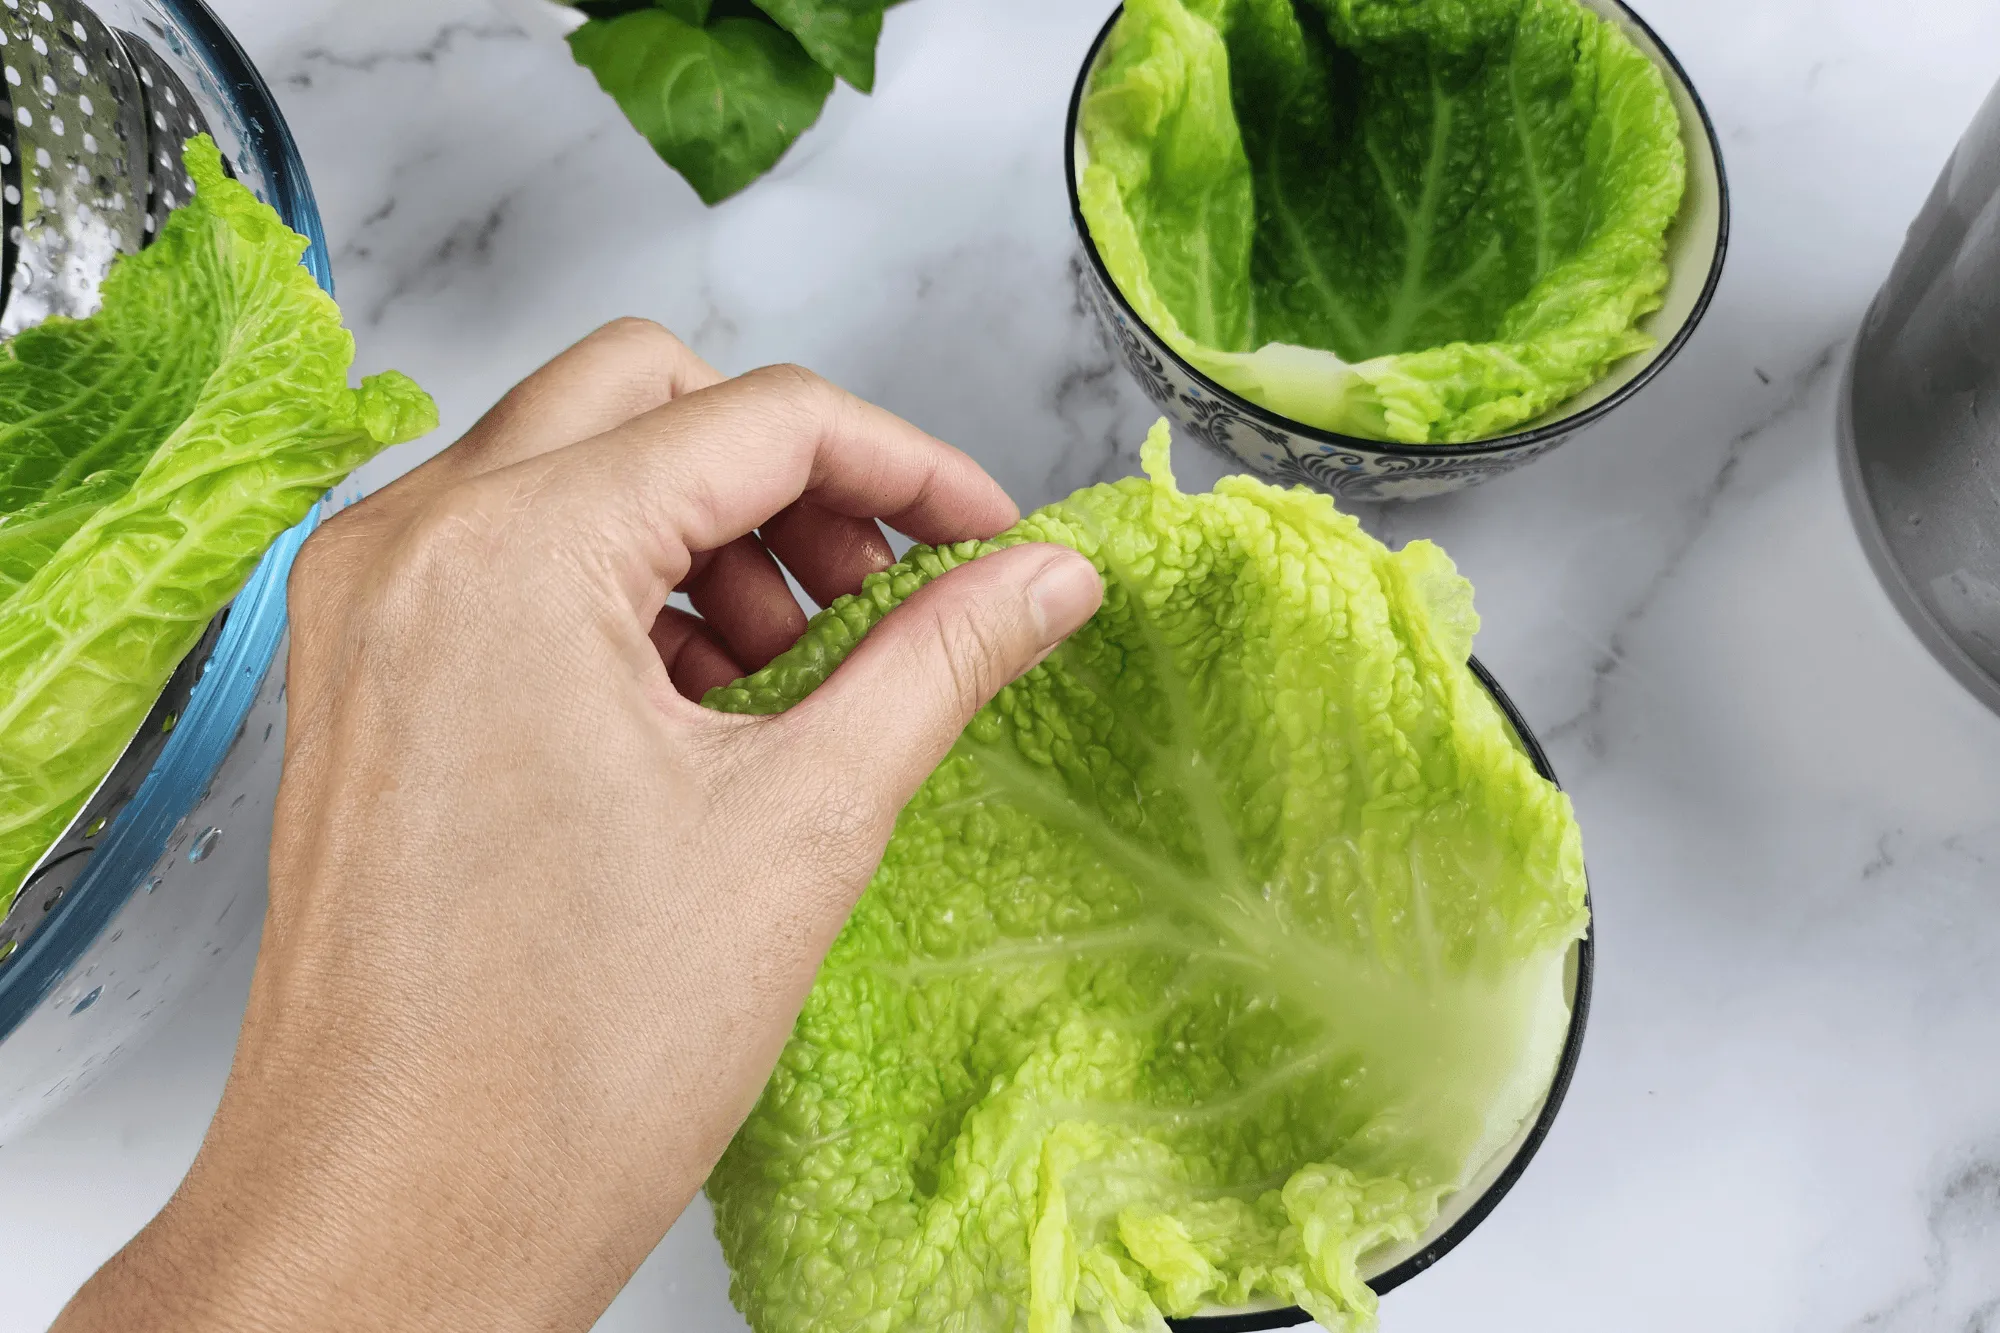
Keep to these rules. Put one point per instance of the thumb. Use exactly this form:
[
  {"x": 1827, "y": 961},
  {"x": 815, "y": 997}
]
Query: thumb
[{"x": 914, "y": 682}]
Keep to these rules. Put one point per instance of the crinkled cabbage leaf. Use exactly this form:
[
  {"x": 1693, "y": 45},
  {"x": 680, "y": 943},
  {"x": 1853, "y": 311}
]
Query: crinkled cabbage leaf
[
  {"x": 1425, "y": 222},
  {"x": 1223, "y": 945},
  {"x": 148, "y": 456}
]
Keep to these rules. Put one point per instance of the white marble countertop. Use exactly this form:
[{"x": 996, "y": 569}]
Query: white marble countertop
[{"x": 1788, "y": 1112}]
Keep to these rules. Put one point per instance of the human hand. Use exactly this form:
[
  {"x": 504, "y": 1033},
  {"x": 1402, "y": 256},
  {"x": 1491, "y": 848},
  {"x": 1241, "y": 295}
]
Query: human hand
[{"x": 539, "y": 924}]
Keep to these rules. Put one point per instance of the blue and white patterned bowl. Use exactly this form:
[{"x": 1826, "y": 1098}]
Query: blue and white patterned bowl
[{"x": 1286, "y": 451}]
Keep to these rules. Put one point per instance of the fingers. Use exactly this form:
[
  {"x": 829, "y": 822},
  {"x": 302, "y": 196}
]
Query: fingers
[
  {"x": 903, "y": 696},
  {"x": 716, "y": 464},
  {"x": 695, "y": 659},
  {"x": 829, "y": 554},
  {"x": 626, "y": 369},
  {"x": 742, "y": 595}
]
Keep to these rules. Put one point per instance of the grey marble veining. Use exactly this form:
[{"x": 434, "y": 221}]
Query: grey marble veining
[{"x": 1788, "y": 1113}]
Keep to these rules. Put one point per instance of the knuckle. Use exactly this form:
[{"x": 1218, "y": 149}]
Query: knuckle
[
  {"x": 440, "y": 554},
  {"x": 794, "y": 381},
  {"x": 641, "y": 334},
  {"x": 634, "y": 365},
  {"x": 639, "y": 364}
]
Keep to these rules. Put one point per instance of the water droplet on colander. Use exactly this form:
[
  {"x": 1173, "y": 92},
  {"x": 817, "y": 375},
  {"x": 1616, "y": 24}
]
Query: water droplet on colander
[
  {"x": 7, "y": 949},
  {"x": 153, "y": 885},
  {"x": 87, "y": 1001},
  {"x": 95, "y": 827},
  {"x": 204, "y": 844}
]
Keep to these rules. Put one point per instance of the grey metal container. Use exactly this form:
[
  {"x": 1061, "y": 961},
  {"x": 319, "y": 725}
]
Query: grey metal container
[{"x": 1920, "y": 418}]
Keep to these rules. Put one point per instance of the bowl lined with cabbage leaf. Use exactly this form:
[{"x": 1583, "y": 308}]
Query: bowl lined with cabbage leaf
[
  {"x": 1392, "y": 249},
  {"x": 1232, "y": 965}
]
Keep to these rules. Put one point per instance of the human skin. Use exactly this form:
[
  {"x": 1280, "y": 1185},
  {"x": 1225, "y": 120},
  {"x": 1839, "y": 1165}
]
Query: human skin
[{"x": 539, "y": 924}]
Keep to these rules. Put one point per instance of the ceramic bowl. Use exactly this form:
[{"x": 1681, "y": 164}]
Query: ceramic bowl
[
  {"x": 1285, "y": 451},
  {"x": 1392, "y": 1266}
]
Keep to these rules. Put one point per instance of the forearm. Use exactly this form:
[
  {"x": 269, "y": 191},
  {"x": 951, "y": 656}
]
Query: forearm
[{"x": 258, "y": 1241}]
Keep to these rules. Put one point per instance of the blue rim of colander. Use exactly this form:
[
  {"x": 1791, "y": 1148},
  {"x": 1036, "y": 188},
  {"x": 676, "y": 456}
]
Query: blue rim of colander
[{"x": 256, "y": 622}]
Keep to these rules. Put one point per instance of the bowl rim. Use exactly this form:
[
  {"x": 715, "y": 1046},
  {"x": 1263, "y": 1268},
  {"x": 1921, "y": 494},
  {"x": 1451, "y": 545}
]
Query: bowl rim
[
  {"x": 1254, "y": 1321},
  {"x": 1540, "y": 435},
  {"x": 253, "y": 625}
]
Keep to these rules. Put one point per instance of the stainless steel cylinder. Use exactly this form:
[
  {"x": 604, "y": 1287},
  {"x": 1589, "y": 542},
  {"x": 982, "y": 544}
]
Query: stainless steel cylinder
[{"x": 1920, "y": 420}]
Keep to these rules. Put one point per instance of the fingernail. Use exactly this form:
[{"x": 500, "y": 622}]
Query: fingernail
[{"x": 1065, "y": 593}]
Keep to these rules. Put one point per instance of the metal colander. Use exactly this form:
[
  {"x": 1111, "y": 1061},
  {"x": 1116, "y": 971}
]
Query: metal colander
[
  {"x": 92, "y": 168},
  {"x": 94, "y": 163},
  {"x": 133, "y": 904}
]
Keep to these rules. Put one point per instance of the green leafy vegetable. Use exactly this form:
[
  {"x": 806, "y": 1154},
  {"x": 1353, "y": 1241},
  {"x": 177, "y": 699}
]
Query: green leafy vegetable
[
  {"x": 1416, "y": 220},
  {"x": 1223, "y": 946},
  {"x": 148, "y": 456},
  {"x": 720, "y": 103},
  {"x": 722, "y": 88},
  {"x": 839, "y": 34}
]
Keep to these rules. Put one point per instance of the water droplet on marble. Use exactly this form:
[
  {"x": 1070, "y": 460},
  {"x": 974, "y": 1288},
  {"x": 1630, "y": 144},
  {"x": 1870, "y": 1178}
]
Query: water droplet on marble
[{"x": 204, "y": 844}]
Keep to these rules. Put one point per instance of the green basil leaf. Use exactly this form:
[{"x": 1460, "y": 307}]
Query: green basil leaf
[
  {"x": 839, "y": 34},
  {"x": 720, "y": 104},
  {"x": 611, "y": 9}
]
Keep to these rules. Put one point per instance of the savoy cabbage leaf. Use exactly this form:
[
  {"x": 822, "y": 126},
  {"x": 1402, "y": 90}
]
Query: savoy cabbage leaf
[
  {"x": 1418, "y": 222},
  {"x": 148, "y": 456},
  {"x": 1223, "y": 945}
]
